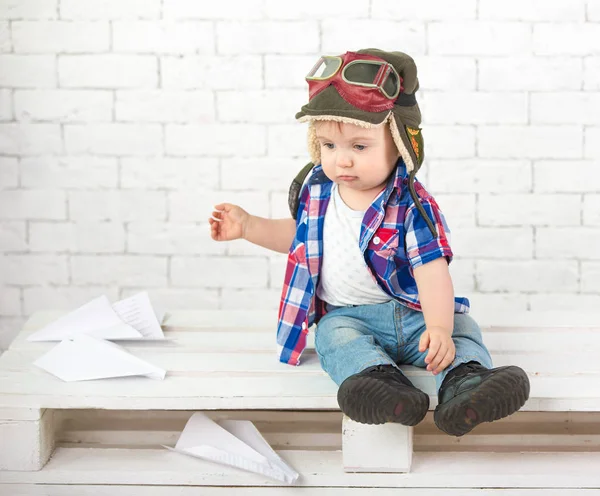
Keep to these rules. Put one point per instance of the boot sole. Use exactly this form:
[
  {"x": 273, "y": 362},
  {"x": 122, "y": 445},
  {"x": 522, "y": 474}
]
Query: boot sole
[
  {"x": 371, "y": 401},
  {"x": 484, "y": 403}
]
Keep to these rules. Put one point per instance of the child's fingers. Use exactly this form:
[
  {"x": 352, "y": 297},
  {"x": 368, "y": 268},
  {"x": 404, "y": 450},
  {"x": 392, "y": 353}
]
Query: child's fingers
[
  {"x": 434, "y": 346},
  {"x": 439, "y": 356},
  {"x": 445, "y": 362},
  {"x": 424, "y": 342}
]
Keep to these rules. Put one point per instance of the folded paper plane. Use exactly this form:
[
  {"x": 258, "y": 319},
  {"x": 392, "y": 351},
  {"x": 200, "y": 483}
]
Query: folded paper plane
[
  {"x": 129, "y": 319},
  {"x": 84, "y": 358},
  {"x": 236, "y": 443}
]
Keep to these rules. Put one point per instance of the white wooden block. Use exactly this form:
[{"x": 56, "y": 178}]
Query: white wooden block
[
  {"x": 26, "y": 444},
  {"x": 376, "y": 448}
]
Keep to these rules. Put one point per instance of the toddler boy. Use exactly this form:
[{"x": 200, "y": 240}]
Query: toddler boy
[{"x": 368, "y": 253}]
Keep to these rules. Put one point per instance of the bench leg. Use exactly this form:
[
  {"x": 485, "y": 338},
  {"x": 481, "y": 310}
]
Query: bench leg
[
  {"x": 27, "y": 438},
  {"x": 376, "y": 448}
]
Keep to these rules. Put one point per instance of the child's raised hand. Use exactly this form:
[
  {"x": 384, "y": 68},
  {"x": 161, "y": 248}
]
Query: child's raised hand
[
  {"x": 228, "y": 222},
  {"x": 441, "y": 348}
]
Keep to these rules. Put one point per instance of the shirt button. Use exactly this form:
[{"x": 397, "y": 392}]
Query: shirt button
[
  {"x": 376, "y": 240},
  {"x": 303, "y": 325}
]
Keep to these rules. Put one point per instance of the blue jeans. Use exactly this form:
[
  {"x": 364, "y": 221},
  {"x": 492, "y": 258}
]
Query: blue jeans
[{"x": 352, "y": 338}]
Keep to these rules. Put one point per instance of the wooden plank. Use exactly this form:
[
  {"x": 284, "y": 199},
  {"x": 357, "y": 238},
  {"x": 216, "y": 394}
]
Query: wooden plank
[
  {"x": 318, "y": 468},
  {"x": 101, "y": 490}
]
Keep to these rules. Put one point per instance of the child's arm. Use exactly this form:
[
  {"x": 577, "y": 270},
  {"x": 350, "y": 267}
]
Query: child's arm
[
  {"x": 230, "y": 222},
  {"x": 436, "y": 295}
]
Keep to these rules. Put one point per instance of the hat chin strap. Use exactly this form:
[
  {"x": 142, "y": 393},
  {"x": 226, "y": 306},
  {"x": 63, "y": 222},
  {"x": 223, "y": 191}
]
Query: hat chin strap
[{"x": 314, "y": 149}]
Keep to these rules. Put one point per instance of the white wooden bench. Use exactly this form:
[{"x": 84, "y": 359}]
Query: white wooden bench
[{"x": 106, "y": 436}]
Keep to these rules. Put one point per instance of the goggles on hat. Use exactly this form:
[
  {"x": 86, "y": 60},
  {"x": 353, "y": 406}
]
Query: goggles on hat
[{"x": 363, "y": 80}]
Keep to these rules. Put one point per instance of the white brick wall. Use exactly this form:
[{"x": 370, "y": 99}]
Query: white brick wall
[{"x": 123, "y": 122}]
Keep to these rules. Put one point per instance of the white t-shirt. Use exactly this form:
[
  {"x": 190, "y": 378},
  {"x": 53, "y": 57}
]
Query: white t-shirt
[{"x": 345, "y": 278}]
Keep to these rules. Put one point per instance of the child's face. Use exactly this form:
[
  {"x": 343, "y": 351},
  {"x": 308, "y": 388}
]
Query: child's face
[{"x": 355, "y": 157}]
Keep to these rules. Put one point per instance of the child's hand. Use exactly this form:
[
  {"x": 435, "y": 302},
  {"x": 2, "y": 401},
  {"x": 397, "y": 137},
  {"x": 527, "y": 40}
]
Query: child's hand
[
  {"x": 441, "y": 348},
  {"x": 228, "y": 222}
]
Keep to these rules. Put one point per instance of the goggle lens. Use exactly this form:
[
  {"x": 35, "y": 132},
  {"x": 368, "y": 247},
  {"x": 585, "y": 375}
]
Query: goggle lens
[{"x": 325, "y": 68}]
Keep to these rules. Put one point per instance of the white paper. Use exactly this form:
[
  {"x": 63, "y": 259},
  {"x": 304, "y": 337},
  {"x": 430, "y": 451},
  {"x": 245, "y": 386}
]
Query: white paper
[
  {"x": 95, "y": 318},
  {"x": 137, "y": 311},
  {"x": 206, "y": 439},
  {"x": 85, "y": 358}
]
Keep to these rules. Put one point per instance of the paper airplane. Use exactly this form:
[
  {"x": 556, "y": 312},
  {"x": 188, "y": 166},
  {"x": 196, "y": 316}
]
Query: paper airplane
[
  {"x": 85, "y": 358},
  {"x": 129, "y": 319},
  {"x": 236, "y": 443}
]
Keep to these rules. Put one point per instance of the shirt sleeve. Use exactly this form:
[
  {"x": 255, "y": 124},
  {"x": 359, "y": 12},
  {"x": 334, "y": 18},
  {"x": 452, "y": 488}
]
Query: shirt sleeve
[{"x": 420, "y": 244}]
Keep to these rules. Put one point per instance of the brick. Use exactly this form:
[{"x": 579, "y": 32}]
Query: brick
[
  {"x": 565, "y": 108},
  {"x": 80, "y": 237},
  {"x": 107, "y": 71},
  {"x": 485, "y": 242},
  {"x": 6, "y": 105},
  {"x": 13, "y": 236},
  {"x": 251, "y": 299},
  {"x": 10, "y": 302},
  {"x": 484, "y": 304},
  {"x": 243, "y": 248},
  {"x": 9, "y": 328},
  {"x": 63, "y": 105},
  {"x": 162, "y": 37},
  {"x": 114, "y": 139},
  {"x": 121, "y": 270},
  {"x": 565, "y": 302},
  {"x": 187, "y": 206},
  {"x": 590, "y": 277},
  {"x": 60, "y": 37},
  {"x": 169, "y": 173},
  {"x": 542, "y": 142},
  {"x": 168, "y": 238},
  {"x": 316, "y": 9},
  {"x": 265, "y": 107},
  {"x": 287, "y": 140},
  {"x": 288, "y": 71},
  {"x": 445, "y": 73},
  {"x": 279, "y": 208},
  {"x": 534, "y": 73},
  {"x": 225, "y": 9},
  {"x": 30, "y": 139},
  {"x": 261, "y": 173},
  {"x": 478, "y": 38},
  {"x": 533, "y": 276},
  {"x": 76, "y": 172},
  {"x": 341, "y": 36},
  {"x": 33, "y": 269},
  {"x": 529, "y": 210},
  {"x": 459, "y": 210},
  {"x": 123, "y": 206},
  {"x": 110, "y": 9},
  {"x": 574, "y": 38},
  {"x": 179, "y": 299},
  {"x": 573, "y": 176},
  {"x": 568, "y": 243},
  {"x": 474, "y": 108},
  {"x": 40, "y": 299},
  {"x": 9, "y": 172},
  {"x": 462, "y": 272},
  {"x": 32, "y": 204},
  {"x": 28, "y": 9},
  {"x": 210, "y": 72},
  {"x": 450, "y": 142},
  {"x": 426, "y": 10},
  {"x": 28, "y": 71},
  {"x": 222, "y": 272},
  {"x": 591, "y": 210},
  {"x": 532, "y": 10},
  {"x": 479, "y": 176},
  {"x": 292, "y": 37},
  {"x": 165, "y": 106},
  {"x": 215, "y": 139},
  {"x": 592, "y": 142},
  {"x": 591, "y": 73},
  {"x": 5, "y": 37}
]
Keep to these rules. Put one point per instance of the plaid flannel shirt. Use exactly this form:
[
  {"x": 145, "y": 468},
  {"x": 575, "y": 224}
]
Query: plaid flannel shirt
[{"x": 391, "y": 218}]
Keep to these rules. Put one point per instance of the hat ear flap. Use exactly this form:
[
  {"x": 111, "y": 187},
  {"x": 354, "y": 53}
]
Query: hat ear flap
[
  {"x": 416, "y": 140},
  {"x": 314, "y": 149},
  {"x": 409, "y": 142}
]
